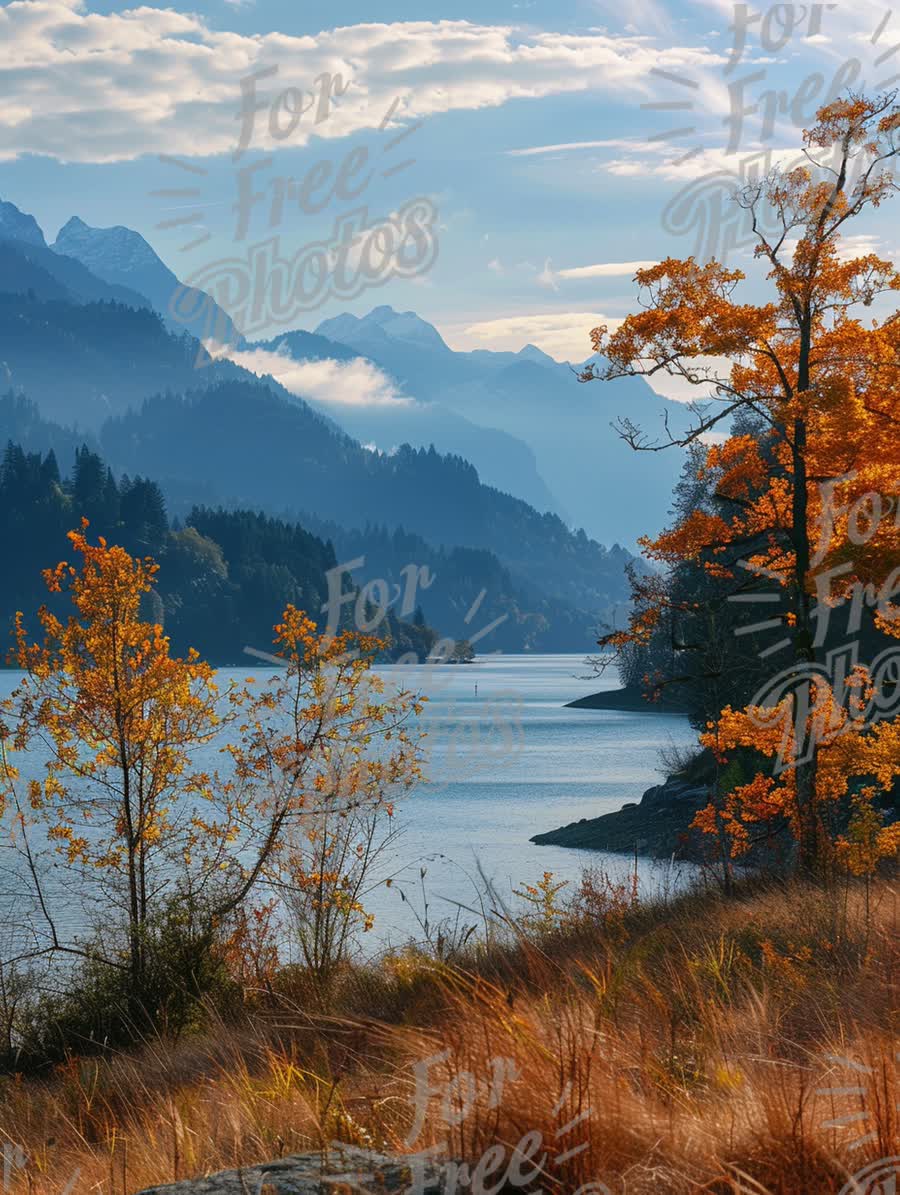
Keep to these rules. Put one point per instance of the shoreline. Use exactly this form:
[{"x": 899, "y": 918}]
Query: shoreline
[
  {"x": 626, "y": 701},
  {"x": 658, "y": 826}
]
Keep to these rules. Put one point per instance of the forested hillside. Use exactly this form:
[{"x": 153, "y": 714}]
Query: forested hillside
[
  {"x": 253, "y": 447},
  {"x": 224, "y": 577},
  {"x": 532, "y": 618}
]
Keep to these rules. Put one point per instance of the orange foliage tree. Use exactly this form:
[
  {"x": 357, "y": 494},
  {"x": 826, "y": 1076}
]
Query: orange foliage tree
[
  {"x": 322, "y": 753},
  {"x": 117, "y": 729},
  {"x": 807, "y": 499}
]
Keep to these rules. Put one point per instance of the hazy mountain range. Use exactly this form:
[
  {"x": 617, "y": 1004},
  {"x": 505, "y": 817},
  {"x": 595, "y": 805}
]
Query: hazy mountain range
[
  {"x": 501, "y": 458},
  {"x": 521, "y": 418},
  {"x": 597, "y": 479},
  {"x": 87, "y": 353}
]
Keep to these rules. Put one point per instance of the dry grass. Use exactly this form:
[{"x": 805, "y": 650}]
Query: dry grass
[{"x": 682, "y": 1049}]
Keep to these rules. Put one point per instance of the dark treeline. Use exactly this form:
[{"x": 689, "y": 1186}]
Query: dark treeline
[
  {"x": 703, "y": 654},
  {"x": 553, "y": 586},
  {"x": 463, "y": 591},
  {"x": 225, "y": 576}
]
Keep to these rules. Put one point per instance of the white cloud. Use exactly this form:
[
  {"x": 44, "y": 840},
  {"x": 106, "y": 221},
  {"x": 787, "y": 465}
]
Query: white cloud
[
  {"x": 565, "y": 147},
  {"x": 689, "y": 162},
  {"x": 565, "y": 335},
  {"x": 681, "y": 160},
  {"x": 547, "y": 277},
  {"x": 550, "y": 278},
  {"x": 859, "y": 245},
  {"x": 356, "y": 383},
  {"x": 609, "y": 269},
  {"x": 101, "y": 87},
  {"x": 848, "y": 247}
]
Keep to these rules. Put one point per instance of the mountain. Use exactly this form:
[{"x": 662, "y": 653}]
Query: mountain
[
  {"x": 85, "y": 345},
  {"x": 122, "y": 257},
  {"x": 21, "y": 274},
  {"x": 19, "y": 226},
  {"x": 26, "y": 264},
  {"x": 31, "y": 268},
  {"x": 453, "y": 583},
  {"x": 517, "y": 612},
  {"x": 308, "y": 346},
  {"x": 502, "y": 459},
  {"x": 118, "y": 265},
  {"x": 224, "y": 578},
  {"x": 615, "y": 493},
  {"x": 260, "y": 448},
  {"x": 84, "y": 361},
  {"x": 22, "y": 423},
  {"x": 103, "y": 345},
  {"x": 220, "y": 436},
  {"x": 384, "y": 322},
  {"x": 532, "y": 353}
]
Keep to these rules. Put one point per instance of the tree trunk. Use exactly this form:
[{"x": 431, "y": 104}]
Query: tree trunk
[{"x": 805, "y": 758}]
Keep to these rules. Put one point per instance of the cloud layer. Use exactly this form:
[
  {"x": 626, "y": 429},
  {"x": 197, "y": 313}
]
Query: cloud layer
[
  {"x": 356, "y": 383},
  {"x": 95, "y": 87}
]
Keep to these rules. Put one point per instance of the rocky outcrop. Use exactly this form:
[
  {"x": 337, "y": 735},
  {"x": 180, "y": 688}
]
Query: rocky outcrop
[
  {"x": 342, "y": 1169},
  {"x": 631, "y": 701},
  {"x": 658, "y": 825}
]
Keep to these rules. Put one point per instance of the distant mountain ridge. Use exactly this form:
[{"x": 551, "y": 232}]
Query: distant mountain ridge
[
  {"x": 225, "y": 576},
  {"x": 305, "y": 464},
  {"x": 501, "y": 458},
  {"x": 122, "y": 257},
  {"x": 521, "y": 416},
  {"x": 222, "y": 436},
  {"x": 615, "y": 493},
  {"x": 29, "y": 266},
  {"x": 383, "y": 321},
  {"x": 115, "y": 264},
  {"x": 551, "y": 591},
  {"x": 19, "y": 226}
]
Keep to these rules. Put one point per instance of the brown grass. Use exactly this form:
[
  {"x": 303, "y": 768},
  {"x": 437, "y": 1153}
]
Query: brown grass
[{"x": 675, "y": 1049}]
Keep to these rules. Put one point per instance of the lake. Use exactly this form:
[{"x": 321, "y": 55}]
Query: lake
[
  {"x": 510, "y": 761},
  {"x": 506, "y": 760}
]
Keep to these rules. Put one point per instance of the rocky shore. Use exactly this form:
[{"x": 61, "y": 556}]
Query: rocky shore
[
  {"x": 630, "y": 701},
  {"x": 658, "y": 825}
]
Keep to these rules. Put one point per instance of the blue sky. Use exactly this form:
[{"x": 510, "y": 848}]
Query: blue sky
[{"x": 533, "y": 128}]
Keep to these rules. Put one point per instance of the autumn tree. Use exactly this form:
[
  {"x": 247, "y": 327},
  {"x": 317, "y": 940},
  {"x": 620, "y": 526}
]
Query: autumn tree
[
  {"x": 801, "y": 504},
  {"x": 321, "y": 755},
  {"x": 114, "y": 732}
]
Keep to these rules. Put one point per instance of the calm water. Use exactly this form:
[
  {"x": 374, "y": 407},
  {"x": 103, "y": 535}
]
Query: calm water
[
  {"x": 505, "y": 762},
  {"x": 508, "y": 762}
]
